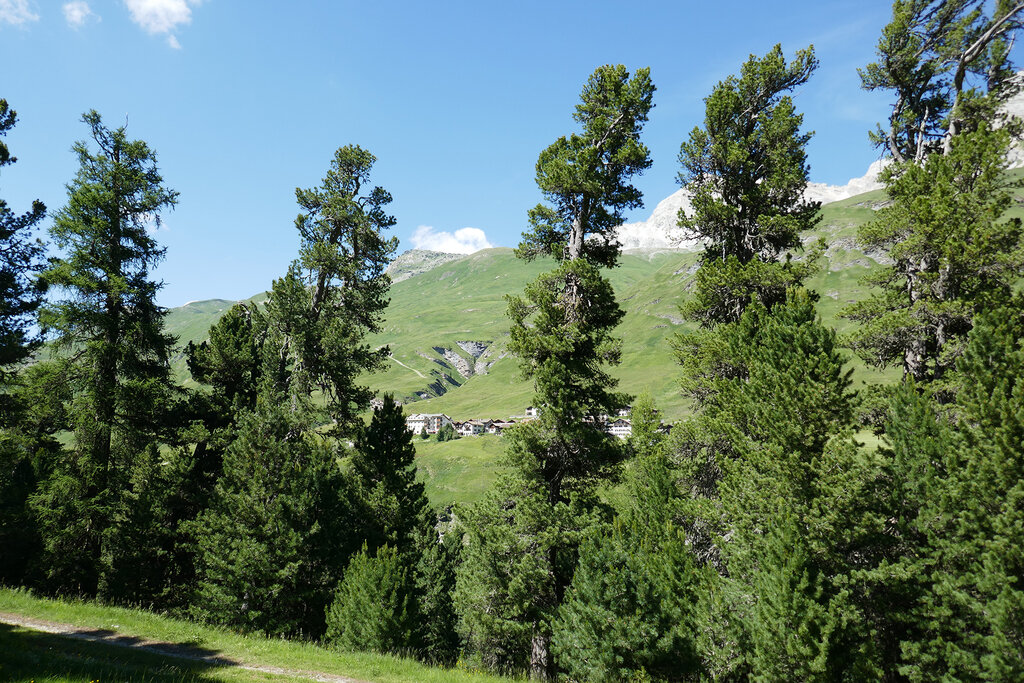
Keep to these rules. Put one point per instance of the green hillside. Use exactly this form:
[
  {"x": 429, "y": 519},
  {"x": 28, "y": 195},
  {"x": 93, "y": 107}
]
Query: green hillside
[{"x": 447, "y": 329}]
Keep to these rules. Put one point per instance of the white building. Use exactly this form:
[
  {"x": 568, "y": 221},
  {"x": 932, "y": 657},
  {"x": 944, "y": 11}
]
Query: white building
[
  {"x": 431, "y": 423},
  {"x": 498, "y": 426},
  {"x": 473, "y": 427},
  {"x": 620, "y": 428}
]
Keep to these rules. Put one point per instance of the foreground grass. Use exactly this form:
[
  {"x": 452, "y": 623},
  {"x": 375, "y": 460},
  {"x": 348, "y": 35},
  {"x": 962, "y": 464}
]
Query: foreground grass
[{"x": 27, "y": 655}]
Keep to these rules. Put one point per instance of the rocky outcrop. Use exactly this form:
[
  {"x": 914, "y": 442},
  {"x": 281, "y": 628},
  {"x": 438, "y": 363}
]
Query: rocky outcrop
[
  {"x": 474, "y": 348},
  {"x": 416, "y": 261},
  {"x": 460, "y": 364}
]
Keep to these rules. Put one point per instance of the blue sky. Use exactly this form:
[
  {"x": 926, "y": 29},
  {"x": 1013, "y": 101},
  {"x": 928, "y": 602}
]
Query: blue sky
[{"x": 245, "y": 101}]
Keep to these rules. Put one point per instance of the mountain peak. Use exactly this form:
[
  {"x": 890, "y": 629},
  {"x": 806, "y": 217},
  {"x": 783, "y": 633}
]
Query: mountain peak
[{"x": 416, "y": 261}]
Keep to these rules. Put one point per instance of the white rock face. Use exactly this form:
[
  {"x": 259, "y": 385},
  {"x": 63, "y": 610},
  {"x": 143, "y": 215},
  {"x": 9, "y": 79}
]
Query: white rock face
[
  {"x": 660, "y": 230},
  {"x": 826, "y": 194},
  {"x": 1015, "y": 107}
]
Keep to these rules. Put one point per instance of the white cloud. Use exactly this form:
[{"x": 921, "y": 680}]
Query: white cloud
[
  {"x": 16, "y": 12},
  {"x": 462, "y": 241},
  {"x": 161, "y": 16},
  {"x": 77, "y": 12}
]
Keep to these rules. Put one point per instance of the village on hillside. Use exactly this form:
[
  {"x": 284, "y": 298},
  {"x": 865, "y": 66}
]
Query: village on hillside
[{"x": 618, "y": 425}]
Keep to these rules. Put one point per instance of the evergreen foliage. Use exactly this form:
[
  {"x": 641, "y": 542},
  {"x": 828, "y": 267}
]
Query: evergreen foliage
[
  {"x": 437, "y": 628},
  {"x": 373, "y": 607},
  {"x": 962, "y": 532},
  {"x": 760, "y": 541},
  {"x": 384, "y": 468},
  {"x": 561, "y": 332},
  {"x": 272, "y": 545},
  {"x": 631, "y": 608},
  {"x": 947, "y": 63},
  {"x": 645, "y": 434},
  {"x": 774, "y": 434},
  {"x": 414, "y": 564},
  {"x": 20, "y": 296},
  {"x": 446, "y": 433},
  {"x": 746, "y": 171},
  {"x": 109, "y": 330},
  {"x": 948, "y": 66},
  {"x": 506, "y": 593},
  {"x": 20, "y": 258},
  {"x": 953, "y": 254},
  {"x": 335, "y": 294}
]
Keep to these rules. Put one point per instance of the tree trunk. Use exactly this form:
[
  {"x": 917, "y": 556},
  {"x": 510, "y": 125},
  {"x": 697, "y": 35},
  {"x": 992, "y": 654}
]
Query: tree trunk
[{"x": 540, "y": 656}]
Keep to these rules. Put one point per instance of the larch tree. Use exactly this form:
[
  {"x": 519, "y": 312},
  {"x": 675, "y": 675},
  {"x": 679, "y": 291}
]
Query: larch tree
[
  {"x": 112, "y": 351},
  {"x": 562, "y": 334},
  {"x": 20, "y": 296},
  {"x": 20, "y": 257}
]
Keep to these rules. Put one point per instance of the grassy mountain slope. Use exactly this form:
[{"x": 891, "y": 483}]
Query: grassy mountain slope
[{"x": 448, "y": 333}]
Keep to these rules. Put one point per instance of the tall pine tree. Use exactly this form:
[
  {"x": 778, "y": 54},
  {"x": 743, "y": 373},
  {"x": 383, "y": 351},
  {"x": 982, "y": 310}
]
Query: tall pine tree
[
  {"x": 948, "y": 67},
  {"x": 562, "y": 334}
]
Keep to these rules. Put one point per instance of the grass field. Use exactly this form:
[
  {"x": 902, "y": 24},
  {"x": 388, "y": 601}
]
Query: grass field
[
  {"x": 31, "y": 655},
  {"x": 458, "y": 471}
]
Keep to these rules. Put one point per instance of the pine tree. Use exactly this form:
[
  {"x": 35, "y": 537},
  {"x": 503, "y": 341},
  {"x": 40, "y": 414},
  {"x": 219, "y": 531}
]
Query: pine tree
[
  {"x": 746, "y": 171},
  {"x": 335, "y": 293},
  {"x": 373, "y": 607},
  {"x": 434, "y": 586},
  {"x": 273, "y": 543},
  {"x": 562, "y": 334},
  {"x": 911, "y": 471},
  {"x": 645, "y": 434},
  {"x": 963, "y": 538},
  {"x": 794, "y": 623},
  {"x": 109, "y": 329},
  {"x": 384, "y": 468},
  {"x": 311, "y": 340},
  {"x": 631, "y": 607},
  {"x": 400, "y": 518},
  {"x": 948, "y": 65},
  {"x": 953, "y": 256},
  {"x": 20, "y": 296},
  {"x": 781, "y": 424}
]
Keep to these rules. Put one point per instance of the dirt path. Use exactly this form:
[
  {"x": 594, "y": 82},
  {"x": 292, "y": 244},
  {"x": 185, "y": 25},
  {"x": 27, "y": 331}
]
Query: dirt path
[
  {"x": 176, "y": 650},
  {"x": 407, "y": 367}
]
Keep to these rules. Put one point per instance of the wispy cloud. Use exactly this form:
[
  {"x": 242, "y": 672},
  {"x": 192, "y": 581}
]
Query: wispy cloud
[
  {"x": 462, "y": 241},
  {"x": 162, "y": 17},
  {"x": 77, "y": 12},
  {"x": 16, "y": 12}
]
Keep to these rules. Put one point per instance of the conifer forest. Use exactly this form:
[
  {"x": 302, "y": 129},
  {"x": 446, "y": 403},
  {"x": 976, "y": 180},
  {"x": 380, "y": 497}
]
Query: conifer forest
[{"x": 790, "y": 527}]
